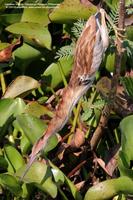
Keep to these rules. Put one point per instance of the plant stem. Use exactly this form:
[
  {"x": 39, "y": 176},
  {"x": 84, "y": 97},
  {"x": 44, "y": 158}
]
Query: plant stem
[
  {"x": 62, "y": 74},
  {"x": 76, "y": 113},
  {"x": 3, "y": 84}
]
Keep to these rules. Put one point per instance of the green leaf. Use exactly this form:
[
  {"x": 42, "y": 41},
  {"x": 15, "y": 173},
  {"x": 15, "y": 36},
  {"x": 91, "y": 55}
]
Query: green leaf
[
  {"x": 59, "y": 176},
  {"x": 13, "y": 157},
  {"x": 73, "y": 189},
  {"x": 36, "y": 15},
  {"x": 64, "y": 52},
  {"x": 32, "y": 127},
  {"x": 24, "y": 144},
  {"x": 10, "y": 107},
  {"x": 126, "y": 127},
  {"x": 87, "y": 114},
  {"x": 11, "y": 183},
  {"x": 110, "y": 188},
  {"x": 37, "y": 110},
  {"x": 23, "y": 58},
  {"x": 33, "y": 31},
  {"x": 7, "y": 19},
  {"x": 69, "y": 11},
  {"x": 52, "y": 75},
  {"x": 23, "y": 53},
  {"x": 3, "y": 163},
  {"x": 128, "y": 85},
  {"x": 57, "y": 173},
  {"x": 99, "y": 104},
  {"x": 21, "y": 86},
  {"x": 41, "y": 176}
]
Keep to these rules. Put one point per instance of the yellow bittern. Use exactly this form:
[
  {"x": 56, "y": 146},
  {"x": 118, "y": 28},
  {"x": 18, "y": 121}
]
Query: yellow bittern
[{"x": 89, "y": 51}]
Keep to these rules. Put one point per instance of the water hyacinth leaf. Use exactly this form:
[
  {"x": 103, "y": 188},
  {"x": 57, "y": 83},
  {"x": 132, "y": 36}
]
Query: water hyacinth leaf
[
  {"x": 33, "y": 31},
  {"x": 23, "y": 53},
  {"x": 35, "y": 174},
  {"x": 73, "y": 10},
  {"x": 110, "y": 188},
  {"x": 52, "y": 143},
  {"x": 11, "y": 183},
  {"x": 3, "y": 163},
  {"x": 7, "y": 19},
  {"x": 21, "y": 86},
  {"x": 13, "y": 157},
  {"x": 37, "y": 110},
  {"x": 49, "y": 186},
  {"x": 41, "y": 176},
  {"x": 10, "y": 107},
  {"x": 73, "y": 189},
  {"x": 31, "y": 126},
  {"x": 126, "y": 127},
  {"x": 52, "y": 75},
  {"x": 57, "y": 173},
  {"x": 36, "y": 15},
  {"x": 24, "y": 144}
]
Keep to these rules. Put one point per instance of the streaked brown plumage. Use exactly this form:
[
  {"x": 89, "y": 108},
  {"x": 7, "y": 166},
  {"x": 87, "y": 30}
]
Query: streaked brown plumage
[{"x": 88, "y": 56}]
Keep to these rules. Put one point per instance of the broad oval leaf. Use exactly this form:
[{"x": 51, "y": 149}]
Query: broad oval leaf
[
  {"x": 11, "y": 183},
  {"x": 35, "y": 15},
  {"x": 33, "y": 31},
  {"x": 10, "y": 107},
  {"x": 21, "y": 86},
  {"x": 57, "y": 173},
  {"x": 9, "y": 18},
  {"x": 52, "y": 75},
  {"x": 126, "y": 127},
  {"x": 37, "y": 110},
  {"x": 69, "y": 11},
  {"x": 23, "y": 53},
  {"x": 110, "y": 188},
  {"x": 39, "y": 174},
  {"x": 32, "y": 126},
  {"x": 13, "y": 157}
]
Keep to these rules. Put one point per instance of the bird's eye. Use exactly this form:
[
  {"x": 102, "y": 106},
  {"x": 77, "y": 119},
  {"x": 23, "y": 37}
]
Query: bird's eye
[{"x": 85, "y": 80}]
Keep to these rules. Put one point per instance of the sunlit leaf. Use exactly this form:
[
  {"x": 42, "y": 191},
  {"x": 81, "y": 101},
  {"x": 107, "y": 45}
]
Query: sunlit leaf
[
  {"x": 126, "y": 127},
  {"x": 37, "y": 110},
  {"x": 13, "y": 157},
  {"x": 41, "y": 176},
  {"x": 32, "y": 126},
  {"x": 35, "y": 15},
  {"x": 10, "y": 107},
  {"x": 33, "y": 31},
  {"x": 73, "y": 189},
  {"x": 73, "y": 10},
  {"x": 21, "y": 86},
  {"x": 52, "y": 75},
  {"x": 110, "y": 188}
]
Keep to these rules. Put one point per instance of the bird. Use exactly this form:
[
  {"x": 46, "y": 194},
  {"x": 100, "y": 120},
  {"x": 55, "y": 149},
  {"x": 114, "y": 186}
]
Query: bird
[{"x": 88, "y": 55}]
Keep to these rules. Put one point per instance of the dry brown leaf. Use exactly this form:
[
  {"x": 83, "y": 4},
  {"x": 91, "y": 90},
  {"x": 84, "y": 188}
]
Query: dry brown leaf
[
  {"x": 6, "y": 54},
  {"x": 78, "y": 138}
]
